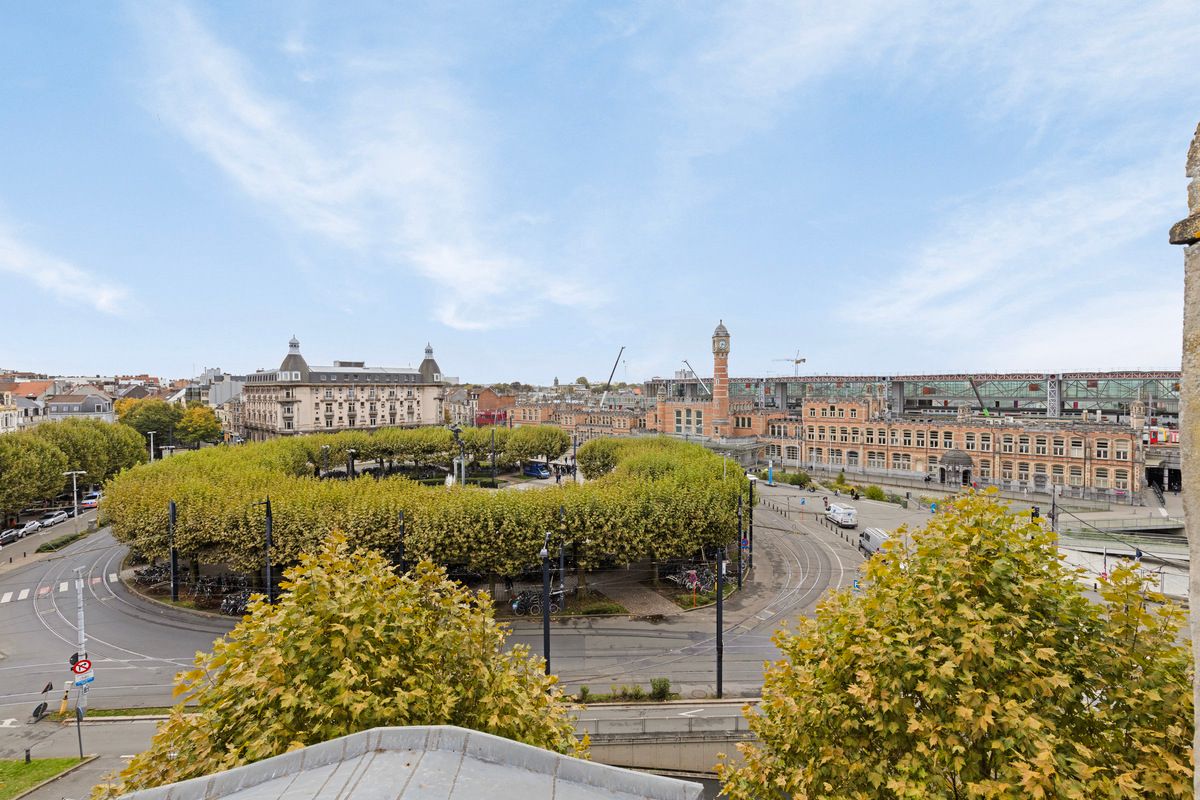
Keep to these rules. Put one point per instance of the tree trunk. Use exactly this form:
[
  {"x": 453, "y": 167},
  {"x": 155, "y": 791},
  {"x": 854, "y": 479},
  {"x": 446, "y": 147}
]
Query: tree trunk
[{"x": 1187, "y": 232}]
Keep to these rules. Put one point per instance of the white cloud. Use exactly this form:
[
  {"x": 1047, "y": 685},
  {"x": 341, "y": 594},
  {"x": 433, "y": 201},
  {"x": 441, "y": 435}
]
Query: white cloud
[
  {"x": 59, "y": 277},
  {"x": 1052, "y": 252},
  {"x": 393, "y": 176}
]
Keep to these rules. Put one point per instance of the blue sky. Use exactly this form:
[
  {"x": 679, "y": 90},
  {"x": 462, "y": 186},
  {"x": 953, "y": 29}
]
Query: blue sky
[{"x": 884, "y": 187}]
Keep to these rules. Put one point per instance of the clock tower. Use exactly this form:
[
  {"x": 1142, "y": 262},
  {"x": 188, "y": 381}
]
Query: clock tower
[{"x": 720, "y": 389}]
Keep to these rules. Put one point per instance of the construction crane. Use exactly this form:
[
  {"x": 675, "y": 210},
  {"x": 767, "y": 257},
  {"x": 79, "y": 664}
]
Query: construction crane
[
  {"x": 982, "y": 408},
  {"x": 697, "y": 377},
  {"x": 608, "y": 383},
  {"x": 796, "y": 359}
]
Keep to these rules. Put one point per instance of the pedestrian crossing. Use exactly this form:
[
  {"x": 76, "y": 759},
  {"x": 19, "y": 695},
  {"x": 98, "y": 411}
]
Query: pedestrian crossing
[{"x": 17, "y": 595}]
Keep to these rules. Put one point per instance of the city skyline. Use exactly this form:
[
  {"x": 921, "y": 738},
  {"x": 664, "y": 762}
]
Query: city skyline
[{"x": 530, "y": 190}]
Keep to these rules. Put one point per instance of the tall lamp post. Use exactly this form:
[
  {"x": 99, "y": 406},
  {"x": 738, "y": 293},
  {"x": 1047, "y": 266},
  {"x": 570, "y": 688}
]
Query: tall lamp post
[
  {"x": 750, "y": 514},
  {"x": 324, "y": 458},
  {"x": 174, "y": 554},
  {"x": 545, "y": 556},
  {"x": 456, "y": 431},
  {"x": 494, "y": 457},
  {"x": 720, "y": 622},
  {"x": 75, "y": 493},
  {"x": 151, "y": 445},
  {"x": 350, "y": 453},
  {"x": 267, "y": 503},
  {"x": 739, "y": 543}
]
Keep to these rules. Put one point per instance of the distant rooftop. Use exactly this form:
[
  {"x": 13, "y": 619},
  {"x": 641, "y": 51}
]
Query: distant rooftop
[{"x": 440, "y": 761}]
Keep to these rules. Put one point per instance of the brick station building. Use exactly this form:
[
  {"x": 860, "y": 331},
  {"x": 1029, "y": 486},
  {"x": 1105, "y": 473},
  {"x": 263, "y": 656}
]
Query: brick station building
[{"x": 865, "y": 438}]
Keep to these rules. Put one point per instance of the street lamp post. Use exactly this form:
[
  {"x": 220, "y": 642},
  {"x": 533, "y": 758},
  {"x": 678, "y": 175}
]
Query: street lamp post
[
  {"x": 75, "y": 493},
  {"x": 324, "y": 458},
  {"x": 750, "y": 513},
  {"x": 494, "y": 457},
  {"x": 174, "y": 554},
  {"x": 720, "y": 622},
  {"x": 545, "y": 555},
  {"x": 267, "y": 503},
  {"x": 403, "y": 567},
  {"x": 350, "y": 453},
  {"x": 151, "y": 445},
  {"x": 739, "y": 543}
]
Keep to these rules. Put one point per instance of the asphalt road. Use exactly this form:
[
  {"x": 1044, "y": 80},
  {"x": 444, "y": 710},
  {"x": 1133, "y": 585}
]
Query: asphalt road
[{"x": 137, "y": 646}]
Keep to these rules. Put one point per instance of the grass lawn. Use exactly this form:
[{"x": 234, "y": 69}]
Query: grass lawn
[{"x": 16, "y": 776}]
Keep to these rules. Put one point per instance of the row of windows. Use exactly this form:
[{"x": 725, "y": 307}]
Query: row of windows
[
  {"x": 834, "y": 411},
  {"x": 1036, "y": 445},
  {"x": 686, "y": 422}
]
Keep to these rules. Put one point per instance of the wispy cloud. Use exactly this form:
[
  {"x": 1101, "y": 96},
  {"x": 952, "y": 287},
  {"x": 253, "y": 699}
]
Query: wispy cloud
[
  {"x": 1044, "y": 265},
  {"x": 57, "y": 276},
  {"x": 393, "y": 175}
]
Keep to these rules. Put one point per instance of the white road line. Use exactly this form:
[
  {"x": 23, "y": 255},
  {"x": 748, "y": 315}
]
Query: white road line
[
  {"x": 96, "y": 579},
  {"x": 6, "y": 598},
  {"x": 112, "y": 577},
  {"x": 62, "y": 587},
  {"x": 24, "y": 593}
]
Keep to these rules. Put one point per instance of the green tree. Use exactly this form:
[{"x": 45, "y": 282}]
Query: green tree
[
  {"x": 973, "y": 666},
  {"x": 198, "y": 424},
  {"x": 349, "y": 647},
  {"x": 156, "y": 415},
  {"x": 84, "y": 444},
  {"x": 536, "y": 441},
  {"x": 582, "y": 381},
  {"x": 31, "y": 468}
]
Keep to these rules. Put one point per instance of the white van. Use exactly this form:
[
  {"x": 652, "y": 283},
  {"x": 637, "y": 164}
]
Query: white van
[
  {"x": 842, "y": 516},
  {"x": 871, "y": 541}
]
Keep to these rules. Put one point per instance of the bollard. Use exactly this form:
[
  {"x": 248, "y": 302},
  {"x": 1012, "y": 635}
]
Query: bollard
[{"x": 26, "y": 755}]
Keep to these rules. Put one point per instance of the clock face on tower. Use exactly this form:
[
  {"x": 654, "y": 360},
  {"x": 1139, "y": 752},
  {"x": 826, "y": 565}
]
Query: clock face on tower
[{"x": 722, "y": 345}]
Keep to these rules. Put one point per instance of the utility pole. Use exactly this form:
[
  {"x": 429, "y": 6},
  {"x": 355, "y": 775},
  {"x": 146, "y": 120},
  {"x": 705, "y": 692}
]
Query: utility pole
[
  {"x": 270, "y": 522},
  {"x": 75, "y": 494},
  {"x": 174, "y": 552},
  {"x": 403, "y": 568},
  {"x": 720, "y": 623},
  {"x": 494, "y": 457},
  {"x": 81, "y": 642},
  {"x": 151, "y": 445}
]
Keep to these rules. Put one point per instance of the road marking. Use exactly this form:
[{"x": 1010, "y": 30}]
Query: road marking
[
  {"x": 43, "y": 591},
  {"x": 95, "y": 580},
  {"x": 6, "y": 598},
  {"x": 8, "y": 723},
  {"x": 62, "y": 587},
  {"x": 112, "y": 577},
  {"x": 689, "y": 713},
  {"x": 24, "y": 593}
]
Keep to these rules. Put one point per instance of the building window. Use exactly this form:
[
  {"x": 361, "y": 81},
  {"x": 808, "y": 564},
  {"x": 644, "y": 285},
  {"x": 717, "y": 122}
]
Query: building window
[
  {"x": 894, "y": 436},
  {"x": 1102, "y": 448},
  {"x": 854, "y": 413},
  {"x": 969, "y": 441},
  {"x": 699, "y": 421},
  {"x": 870, "y": 436},
  {"x": 812, "y": 412},
  {"x": 985, "y": 469},
  {"x": 1023, "y": 471},
  {"x": 1056, "y": 473},
  {"x": 1076, "y": 448},
  {"x": 1039, "y": 446},
  {"x": 1076, "y": 477},
  {"x": 1122, "y": 451},
  {"x": 1121, "y": 479},
  {"x": 1006, "y": 444},
  {"x": 679, "y": 420},
  {"x": 985, "y": 442},
  {"x": 1023, "y": 445},
  {"x": 843, "y": 435},
  {"x": 1006, "y": 470},
  {"x": 933, "y": 439},
  {"x": 1101, "y": 479},
  {"x": 793, "y": 453},
  {"x": 948, "y": 440},
  {"x": 906, "y": 438},
  {"x": 1059, "y": 448}
]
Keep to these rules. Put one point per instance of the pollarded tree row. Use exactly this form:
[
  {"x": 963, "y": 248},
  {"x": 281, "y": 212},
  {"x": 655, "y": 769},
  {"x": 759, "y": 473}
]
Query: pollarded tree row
[{"x": 660, "y": 499}]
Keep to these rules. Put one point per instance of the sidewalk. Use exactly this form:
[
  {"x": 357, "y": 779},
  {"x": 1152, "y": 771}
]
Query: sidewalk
[{"x": 114, "y": 742}]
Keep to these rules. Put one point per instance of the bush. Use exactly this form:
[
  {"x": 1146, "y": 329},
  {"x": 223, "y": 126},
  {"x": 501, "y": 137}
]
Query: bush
[
  {"x": 634, "y": 692},
  {"x": 584, "y": 694},
  {"x": 59, "y": 543},
  {"x": 800, "y": 479},
  {"x": 874, "y": 492},
  {"x": 660, "y": 688}
]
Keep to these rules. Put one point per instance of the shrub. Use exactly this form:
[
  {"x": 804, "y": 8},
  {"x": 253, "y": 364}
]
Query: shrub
[
  {"x": 660, "y": 688},
  {"x": 874, "y": 492},
  {"x": 584, "y": 694}
]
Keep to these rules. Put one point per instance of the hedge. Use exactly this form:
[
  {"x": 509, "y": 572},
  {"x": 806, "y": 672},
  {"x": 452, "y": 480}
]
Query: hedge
[{"x": 660, "y": 498}]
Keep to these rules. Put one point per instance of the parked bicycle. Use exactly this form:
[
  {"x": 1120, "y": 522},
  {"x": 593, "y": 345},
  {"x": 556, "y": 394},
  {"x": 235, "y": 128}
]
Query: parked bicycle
[{"x": 530, "y": 602}]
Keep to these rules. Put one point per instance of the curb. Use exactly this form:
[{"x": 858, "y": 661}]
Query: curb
[{"x": 86, "y": 760}]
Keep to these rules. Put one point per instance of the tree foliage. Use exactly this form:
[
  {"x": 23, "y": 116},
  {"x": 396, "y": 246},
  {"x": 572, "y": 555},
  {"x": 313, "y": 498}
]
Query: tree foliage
[
  {"x": 673, "y": 508},
  {"x": 31, "y": 468},
  {"x": 198, "y": 424},
  {"x": 973, "y": 666},
  {"x": 152, "y": 414},
  {"x": 352, "y": 646}
]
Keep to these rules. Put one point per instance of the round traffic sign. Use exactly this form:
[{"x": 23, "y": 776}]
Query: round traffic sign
[{"x": 81, "y": 666}]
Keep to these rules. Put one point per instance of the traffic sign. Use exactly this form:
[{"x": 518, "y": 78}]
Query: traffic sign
[
  {"x": 83, "y": 680},
  {"x": 81, "y": 666}
]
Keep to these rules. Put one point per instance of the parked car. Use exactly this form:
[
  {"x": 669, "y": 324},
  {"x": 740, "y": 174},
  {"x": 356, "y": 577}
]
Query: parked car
[
  {"x": 9, "y": 536},
  {"x": 52, "y": 518},
  {"x": 90, "y": 500},
  {"x": 29, "y": 527}
]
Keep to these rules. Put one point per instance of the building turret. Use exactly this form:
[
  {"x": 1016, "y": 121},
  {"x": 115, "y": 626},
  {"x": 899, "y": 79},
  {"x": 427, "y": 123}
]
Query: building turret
[{"x": 429, "y": 369}]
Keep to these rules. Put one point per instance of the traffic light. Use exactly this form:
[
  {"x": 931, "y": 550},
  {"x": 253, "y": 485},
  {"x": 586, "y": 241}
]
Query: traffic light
[{"x": 74, "y": 659}]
